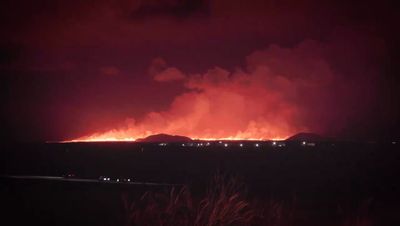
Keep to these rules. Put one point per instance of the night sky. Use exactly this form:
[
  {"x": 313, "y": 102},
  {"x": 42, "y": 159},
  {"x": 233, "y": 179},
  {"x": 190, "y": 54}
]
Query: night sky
[{"x": 205, "y": 69}]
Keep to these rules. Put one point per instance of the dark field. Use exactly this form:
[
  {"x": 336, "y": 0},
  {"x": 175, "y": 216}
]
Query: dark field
[{"x": 339, "y": 183}]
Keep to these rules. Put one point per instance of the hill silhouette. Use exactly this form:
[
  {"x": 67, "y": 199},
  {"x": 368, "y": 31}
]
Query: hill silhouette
[
  {"x": 307, "y": 137},
  {"x": 164, "y": 138}
]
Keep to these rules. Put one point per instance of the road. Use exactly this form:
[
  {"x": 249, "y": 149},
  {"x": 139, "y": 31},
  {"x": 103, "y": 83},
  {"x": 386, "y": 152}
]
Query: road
[{"x": 84, "y": 180}]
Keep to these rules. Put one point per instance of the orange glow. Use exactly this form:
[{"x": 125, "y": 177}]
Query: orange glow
[
  {"x": 235, "y": 108},
  {"x": 256, "y": 103},
  {"x": 122, "y": 136},
  {"x": 131, "y": 139}
]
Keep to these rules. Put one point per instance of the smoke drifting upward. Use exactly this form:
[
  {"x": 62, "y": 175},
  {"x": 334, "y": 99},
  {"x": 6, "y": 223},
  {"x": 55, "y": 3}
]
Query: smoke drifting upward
[{"x": 279, "y": 92}]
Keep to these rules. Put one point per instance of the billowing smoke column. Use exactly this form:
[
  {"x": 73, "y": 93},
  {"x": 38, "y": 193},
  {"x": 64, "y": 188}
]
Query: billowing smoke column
[{"x": 280, "y": 92}]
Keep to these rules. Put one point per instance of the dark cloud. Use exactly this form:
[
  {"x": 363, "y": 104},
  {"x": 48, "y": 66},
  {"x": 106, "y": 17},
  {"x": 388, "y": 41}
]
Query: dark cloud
[{"x": 179, "y": 9}]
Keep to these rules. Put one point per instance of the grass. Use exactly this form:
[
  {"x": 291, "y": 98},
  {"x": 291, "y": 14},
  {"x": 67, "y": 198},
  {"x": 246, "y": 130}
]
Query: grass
[{"x": 223, "y": 204}]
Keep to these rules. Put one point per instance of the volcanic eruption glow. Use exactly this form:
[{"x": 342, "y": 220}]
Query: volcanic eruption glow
[
  {"x": 280, "y": 92},
  {"x": 121, "y": 137}
]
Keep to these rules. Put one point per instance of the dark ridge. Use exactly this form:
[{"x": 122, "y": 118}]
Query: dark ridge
[
  {"x": 164, "y": 138},
  {"x": 308, "y": 137}
]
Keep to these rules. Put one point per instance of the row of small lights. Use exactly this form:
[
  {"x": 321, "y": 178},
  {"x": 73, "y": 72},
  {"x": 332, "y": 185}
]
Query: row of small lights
[
  {"x": 224, "y": 144},
  {"x": 241, "y": 145},
  {"x": 274, "y": 143},
  {"x": 108, "y": 179}
]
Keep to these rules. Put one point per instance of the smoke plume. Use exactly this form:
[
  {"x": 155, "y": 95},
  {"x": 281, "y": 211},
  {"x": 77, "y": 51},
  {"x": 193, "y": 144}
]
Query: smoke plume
[{"x": 279, "y": 92}]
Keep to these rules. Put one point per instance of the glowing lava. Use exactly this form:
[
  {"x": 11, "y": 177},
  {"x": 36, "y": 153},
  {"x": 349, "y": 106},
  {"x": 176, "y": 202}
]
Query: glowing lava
[
  {"x": 120, "y": 136},
  {"x": 264, "y": 101}
]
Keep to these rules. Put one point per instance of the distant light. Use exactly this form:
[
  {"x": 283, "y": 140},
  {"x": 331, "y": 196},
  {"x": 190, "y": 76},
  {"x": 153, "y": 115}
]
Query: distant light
[
  {"x": 183, "y": 145},
  {"x": 394, "y": 142},
  {"x": 241, "y": 145},
  {"x": 220, "y": 142},
  {"x": 208, "y": 144},
  {"x": 257, "y": 145},
  {"x": 226, "y": 145},
  {"x": 129, "y": 180},
  {"x": 303, "y": 143},
  {"x": 274, "y": 143},
  {"x": 117, "y": 180}
]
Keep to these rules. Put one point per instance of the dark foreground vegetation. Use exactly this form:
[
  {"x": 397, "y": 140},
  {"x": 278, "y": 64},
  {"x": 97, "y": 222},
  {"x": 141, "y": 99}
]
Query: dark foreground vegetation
[
  {"x": 341, "y": 184},
  {"x": 225, "y": 203}
]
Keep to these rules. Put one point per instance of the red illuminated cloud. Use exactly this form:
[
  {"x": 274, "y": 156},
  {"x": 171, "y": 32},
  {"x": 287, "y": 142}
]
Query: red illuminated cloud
[
  {"x": 285, "y": 82},
  {"x": 169, "y": 74},
  {"x": 272, "y": 98},
  {"x": 280, "y": 92},
  {"x": 160, "y": 71}
]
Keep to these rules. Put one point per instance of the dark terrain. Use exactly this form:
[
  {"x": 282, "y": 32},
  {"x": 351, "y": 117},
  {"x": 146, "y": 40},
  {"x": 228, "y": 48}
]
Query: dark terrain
[{"x": 326, "y": 181}]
